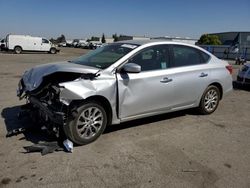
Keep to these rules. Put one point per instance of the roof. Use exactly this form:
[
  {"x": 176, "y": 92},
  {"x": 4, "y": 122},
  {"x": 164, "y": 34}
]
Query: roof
[{"x": 142, "y": 42}]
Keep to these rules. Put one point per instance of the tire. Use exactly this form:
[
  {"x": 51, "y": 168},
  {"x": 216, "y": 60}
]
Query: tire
[
  {"x": 210, "y": 100},
  {"x": 52, "y": 51},
  {"x": 18, "y": 50},
  {"x": 88, "y": 123}
]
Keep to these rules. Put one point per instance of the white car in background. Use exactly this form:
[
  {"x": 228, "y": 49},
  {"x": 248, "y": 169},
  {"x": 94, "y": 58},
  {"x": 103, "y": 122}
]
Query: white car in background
[{"x": 62, "y": 44}]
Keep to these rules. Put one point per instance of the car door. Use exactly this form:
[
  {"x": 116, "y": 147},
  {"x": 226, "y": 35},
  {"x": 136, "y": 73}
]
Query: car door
[
  {"x": 45, "y": 45},
  {"x": 149, "y": 91},
  {"x": 190, "y": 75}
]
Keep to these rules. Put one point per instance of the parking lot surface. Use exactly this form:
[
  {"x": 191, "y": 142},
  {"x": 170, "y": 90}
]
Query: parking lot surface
[{"x": 181, "y": 149}]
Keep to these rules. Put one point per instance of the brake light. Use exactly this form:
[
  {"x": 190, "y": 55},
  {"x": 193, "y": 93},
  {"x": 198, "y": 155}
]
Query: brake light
[{"x": 230, "y": 69}]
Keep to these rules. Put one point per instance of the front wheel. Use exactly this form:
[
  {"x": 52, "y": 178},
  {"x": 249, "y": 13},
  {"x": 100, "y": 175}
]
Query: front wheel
[
  {"x": 18, "y": 50},
  {"x": 88, "y": 124},
  {"x": 210, "y": 100},
  {"x": 52, "y": 51}
]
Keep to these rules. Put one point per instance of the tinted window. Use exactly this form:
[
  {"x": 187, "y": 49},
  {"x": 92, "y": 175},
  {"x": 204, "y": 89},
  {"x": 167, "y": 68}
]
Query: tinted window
[
  {"x": 152, "y": 58},
  {"x": 45, "y": 41},
  {"x": 205, "y": 57},
  {"x": 185, "y": 56}
]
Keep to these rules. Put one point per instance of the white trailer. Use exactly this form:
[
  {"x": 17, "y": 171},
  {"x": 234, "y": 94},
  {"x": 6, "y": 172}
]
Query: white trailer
[{"x": 19, "y": 43}]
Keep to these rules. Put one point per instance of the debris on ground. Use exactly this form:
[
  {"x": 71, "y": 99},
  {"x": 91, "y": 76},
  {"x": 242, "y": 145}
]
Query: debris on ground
[
  {"x": 44, "y": 147},
  {"x": 59, "y": 143},
  {"x": 68, "y": 145},
  {"x": 15, "y": 132}
]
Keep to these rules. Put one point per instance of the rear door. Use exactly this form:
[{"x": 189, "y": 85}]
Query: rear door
[
  {"x": 190, "y": 75},
  {"x": 149, "y": 91}
]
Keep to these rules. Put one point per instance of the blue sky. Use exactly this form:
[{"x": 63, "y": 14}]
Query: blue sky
[{"x": 85, "y": 18}]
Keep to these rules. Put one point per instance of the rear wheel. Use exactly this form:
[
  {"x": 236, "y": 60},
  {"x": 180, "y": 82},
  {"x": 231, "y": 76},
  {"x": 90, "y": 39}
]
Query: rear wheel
[
  {"x": 88, "y": 124},
  {"x": 210, "y": 100},
  {"x": 18, "y": 50}
]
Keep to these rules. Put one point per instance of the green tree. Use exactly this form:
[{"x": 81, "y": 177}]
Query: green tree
[
  {"x": 61, "y": 38},
  {"x": 58, "y": 40},
  {"x": 209, "y": 40},
  {"x": 115, "y": 37},
  {"x": 93, "y": 38},
  {"x": 103, "y": 38}
]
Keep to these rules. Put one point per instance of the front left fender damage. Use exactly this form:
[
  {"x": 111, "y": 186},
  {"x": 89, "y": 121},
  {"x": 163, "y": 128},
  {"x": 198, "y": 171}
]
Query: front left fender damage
[
  {"x": 83, "y": 89},
  {"x": 54, "y": 103}
]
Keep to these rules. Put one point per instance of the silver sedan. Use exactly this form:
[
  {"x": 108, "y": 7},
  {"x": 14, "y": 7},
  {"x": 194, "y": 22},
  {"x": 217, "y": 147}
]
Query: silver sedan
[{"x": 124, "y": 81}]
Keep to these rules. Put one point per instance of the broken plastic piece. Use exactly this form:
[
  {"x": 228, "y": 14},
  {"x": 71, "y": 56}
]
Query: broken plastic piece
[
  {"x": 44, "y": 148},
  {"x": 68, "y": 145},
  {"x": 15, "y": 132},
  {"x": 43, "y": 128}
]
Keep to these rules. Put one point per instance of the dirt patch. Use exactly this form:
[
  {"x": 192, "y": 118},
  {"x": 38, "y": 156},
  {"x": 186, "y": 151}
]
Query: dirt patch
[
  {"x": 228, "y": 165},
  {"x": 5, "y": 181}
]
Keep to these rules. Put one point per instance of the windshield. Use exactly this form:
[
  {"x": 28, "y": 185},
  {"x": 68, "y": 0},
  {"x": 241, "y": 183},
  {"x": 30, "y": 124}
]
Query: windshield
[{"x": 105, "y": 56}]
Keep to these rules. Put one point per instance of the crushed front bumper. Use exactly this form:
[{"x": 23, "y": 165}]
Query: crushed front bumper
[{"x": 48, "y": 114}]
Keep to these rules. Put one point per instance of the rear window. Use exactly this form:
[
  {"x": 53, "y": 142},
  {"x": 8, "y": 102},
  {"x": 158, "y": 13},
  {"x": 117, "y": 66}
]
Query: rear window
[
  {"x": 204, "y": 57},
  {"x": 186, "y": 56}
]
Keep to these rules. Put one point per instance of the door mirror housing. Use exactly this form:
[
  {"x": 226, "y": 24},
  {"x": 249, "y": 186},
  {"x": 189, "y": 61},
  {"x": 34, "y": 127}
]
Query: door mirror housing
[{"x": 131, "y": 68}]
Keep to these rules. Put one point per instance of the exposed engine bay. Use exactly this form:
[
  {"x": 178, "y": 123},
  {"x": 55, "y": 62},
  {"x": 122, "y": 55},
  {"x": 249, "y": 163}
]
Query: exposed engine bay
[{"x": 44, "y": 104}]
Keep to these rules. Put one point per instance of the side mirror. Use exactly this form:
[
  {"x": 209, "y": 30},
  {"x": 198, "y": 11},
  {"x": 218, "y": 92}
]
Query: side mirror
[{"x": 131, "y": 68}]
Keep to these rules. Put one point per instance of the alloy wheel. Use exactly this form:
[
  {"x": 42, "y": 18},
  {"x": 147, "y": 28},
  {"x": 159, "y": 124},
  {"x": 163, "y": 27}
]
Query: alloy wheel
[
  {"x": 89, "y": 122},
  {"x": 211, "y": 100}
]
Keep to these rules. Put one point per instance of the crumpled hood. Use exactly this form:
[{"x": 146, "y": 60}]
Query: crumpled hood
[{"x": 34, "y": 77}]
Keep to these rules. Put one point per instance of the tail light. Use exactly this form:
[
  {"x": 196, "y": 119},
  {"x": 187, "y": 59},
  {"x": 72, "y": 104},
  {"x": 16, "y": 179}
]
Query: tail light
[{"x": 230, "y": 69}]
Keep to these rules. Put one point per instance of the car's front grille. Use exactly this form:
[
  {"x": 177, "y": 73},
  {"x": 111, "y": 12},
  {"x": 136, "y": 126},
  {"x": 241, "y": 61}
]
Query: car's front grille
[{"x": 239, "y": 79}]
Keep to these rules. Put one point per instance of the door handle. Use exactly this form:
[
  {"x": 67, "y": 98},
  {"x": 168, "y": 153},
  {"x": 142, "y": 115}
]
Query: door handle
[
  {"x": 203, "y": 75},
  {"x": 166, "y": 80}
]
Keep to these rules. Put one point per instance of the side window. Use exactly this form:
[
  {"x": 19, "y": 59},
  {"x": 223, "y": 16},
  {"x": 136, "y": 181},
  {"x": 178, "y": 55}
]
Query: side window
[
  {"x": 185, "y": 56},
  {"x": 205, "y": 57},
  {"x": 45, "y": 41},
  {"x": 152, "y": 58}
]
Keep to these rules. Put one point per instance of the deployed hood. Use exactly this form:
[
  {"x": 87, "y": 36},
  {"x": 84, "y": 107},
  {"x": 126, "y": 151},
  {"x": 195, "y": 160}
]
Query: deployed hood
[{"x": 34, "y": 77}]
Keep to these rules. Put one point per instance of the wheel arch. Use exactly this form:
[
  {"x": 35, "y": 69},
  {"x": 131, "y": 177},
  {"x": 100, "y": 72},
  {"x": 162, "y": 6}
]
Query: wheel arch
[
  {"x": 219, "y": 86},
  {"x": 103, "y": 101},
  {"x": 18, "y": 46},
  {"x": 106, "y": 105}
]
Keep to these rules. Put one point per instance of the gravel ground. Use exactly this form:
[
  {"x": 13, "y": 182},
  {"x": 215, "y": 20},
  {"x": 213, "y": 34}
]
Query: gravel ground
[{"x": 179, "y": 149}]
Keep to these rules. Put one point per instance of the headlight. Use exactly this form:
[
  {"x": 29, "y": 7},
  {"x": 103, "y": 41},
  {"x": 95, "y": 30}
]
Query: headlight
[{"x": 65, "y": 101}]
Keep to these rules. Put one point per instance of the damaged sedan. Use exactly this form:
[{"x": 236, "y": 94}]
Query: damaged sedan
[{"x": 120, "y": 82}]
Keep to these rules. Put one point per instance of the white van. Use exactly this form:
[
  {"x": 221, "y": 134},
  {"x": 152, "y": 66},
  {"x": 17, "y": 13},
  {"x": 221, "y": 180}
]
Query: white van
[
  {"x": 19, "y": 43},
  {"x": 2, "y": 44}
]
